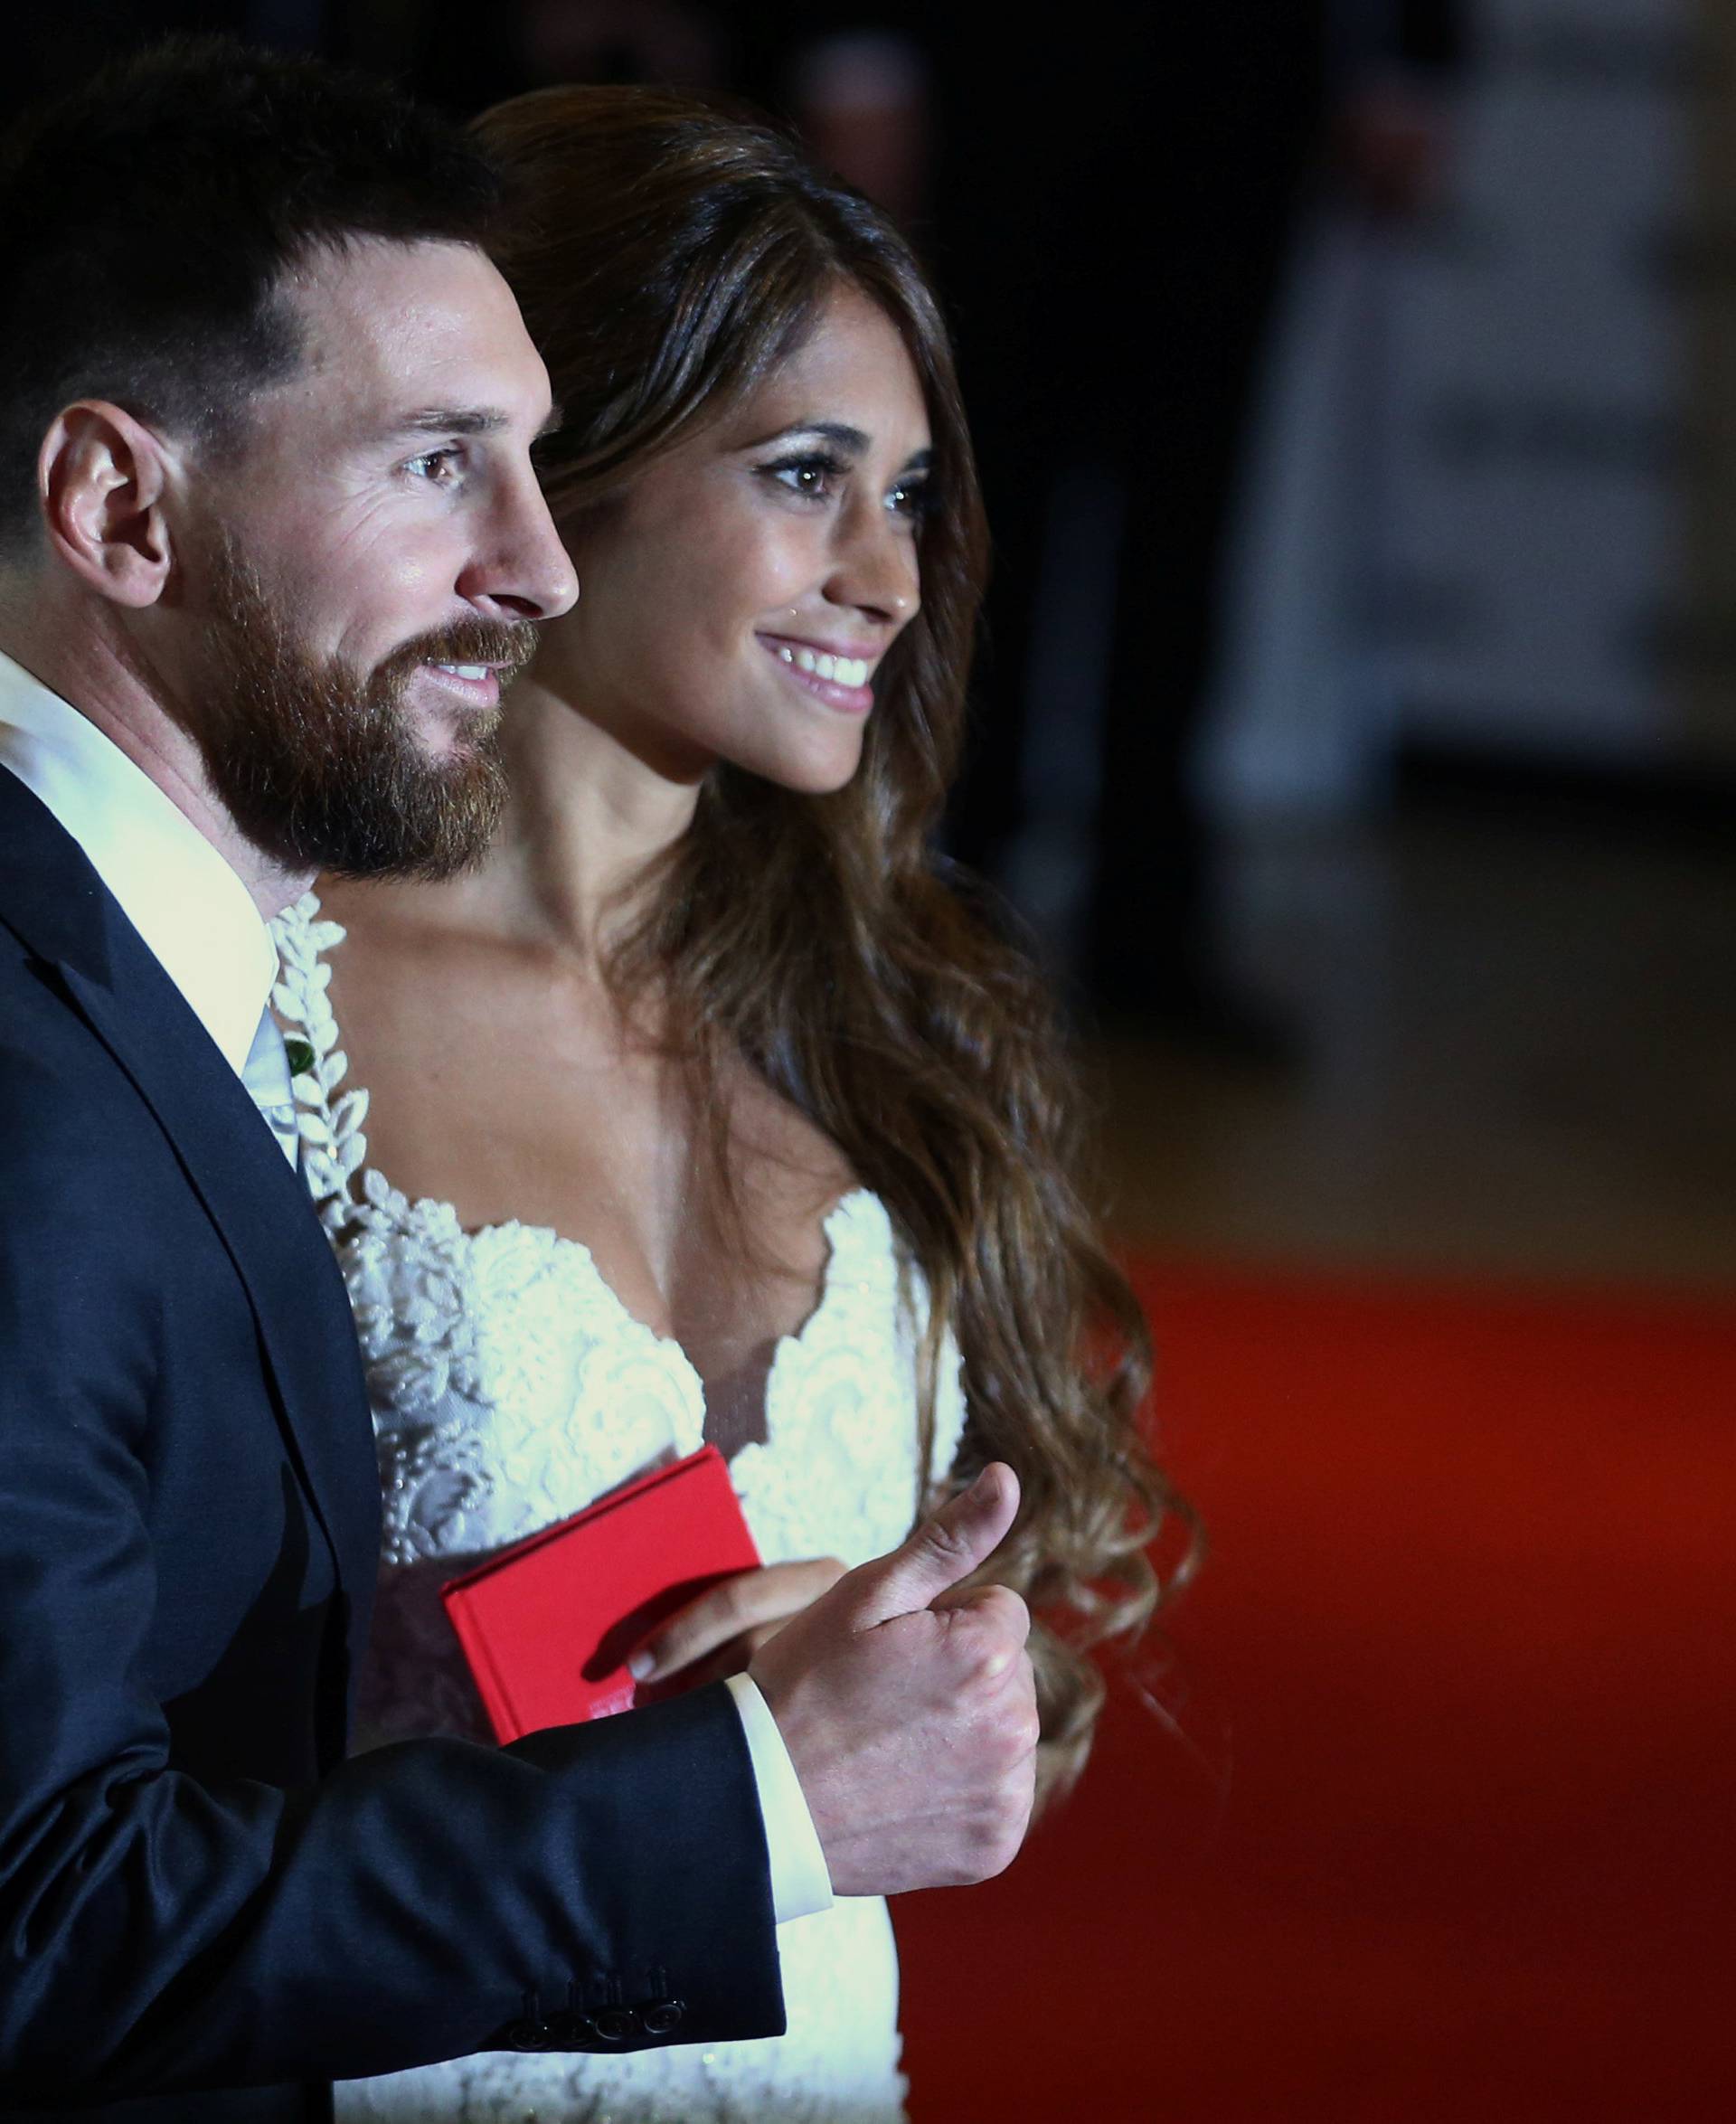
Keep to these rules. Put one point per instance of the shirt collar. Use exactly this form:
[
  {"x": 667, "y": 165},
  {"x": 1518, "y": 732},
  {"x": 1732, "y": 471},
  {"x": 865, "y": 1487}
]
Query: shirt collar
[{"x": 184, "y": 901}]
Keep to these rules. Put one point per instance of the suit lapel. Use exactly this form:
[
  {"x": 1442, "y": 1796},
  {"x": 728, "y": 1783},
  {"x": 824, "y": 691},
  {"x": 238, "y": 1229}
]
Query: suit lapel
[{"x": 53, "y": 900}]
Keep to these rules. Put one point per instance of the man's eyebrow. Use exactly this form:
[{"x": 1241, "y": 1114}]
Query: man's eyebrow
[
  {"x": 468, "y": 421},
  {"x": 453, "y": 420}
]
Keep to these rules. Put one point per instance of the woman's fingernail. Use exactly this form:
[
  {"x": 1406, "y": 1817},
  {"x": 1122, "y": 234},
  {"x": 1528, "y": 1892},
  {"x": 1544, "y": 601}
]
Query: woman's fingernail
[{"x": 641, "y": 1664}]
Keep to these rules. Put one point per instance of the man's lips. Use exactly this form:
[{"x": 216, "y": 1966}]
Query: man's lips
[{"x": 477, "y": 686}]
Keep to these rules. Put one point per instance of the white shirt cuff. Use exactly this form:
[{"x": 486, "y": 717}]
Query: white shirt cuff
[{"x": 800, "y": 1884}]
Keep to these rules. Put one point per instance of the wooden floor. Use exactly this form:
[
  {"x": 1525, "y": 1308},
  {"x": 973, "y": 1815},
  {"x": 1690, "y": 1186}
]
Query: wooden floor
[{"x": 1518, "y": 1058}]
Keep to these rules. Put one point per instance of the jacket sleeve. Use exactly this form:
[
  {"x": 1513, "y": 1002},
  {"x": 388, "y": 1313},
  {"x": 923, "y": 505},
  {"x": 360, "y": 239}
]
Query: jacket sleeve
[{"x": 601, "y": 1887}]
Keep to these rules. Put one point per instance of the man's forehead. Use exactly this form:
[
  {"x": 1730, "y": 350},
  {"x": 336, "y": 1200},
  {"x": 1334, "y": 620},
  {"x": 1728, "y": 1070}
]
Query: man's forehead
[
  {"x": 355, "y": 273},
  {"x": 416, "y": 327}
]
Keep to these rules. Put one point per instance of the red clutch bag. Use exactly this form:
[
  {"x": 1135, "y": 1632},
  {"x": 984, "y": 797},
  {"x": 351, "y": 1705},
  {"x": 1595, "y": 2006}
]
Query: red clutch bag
[{"x": 547, "y": 1625}]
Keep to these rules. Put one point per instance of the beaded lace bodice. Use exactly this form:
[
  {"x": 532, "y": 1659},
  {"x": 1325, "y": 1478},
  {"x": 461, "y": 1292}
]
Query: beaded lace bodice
[{"x": 510, "y": 1387}]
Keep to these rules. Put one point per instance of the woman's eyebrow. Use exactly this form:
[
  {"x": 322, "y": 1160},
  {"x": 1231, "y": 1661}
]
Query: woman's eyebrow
[
  {"x": 838, "y": 431},
  {"x": 853, "y": 439}
]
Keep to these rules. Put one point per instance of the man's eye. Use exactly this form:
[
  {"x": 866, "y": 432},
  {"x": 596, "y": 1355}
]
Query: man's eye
[{"x": 438, "y": 466}]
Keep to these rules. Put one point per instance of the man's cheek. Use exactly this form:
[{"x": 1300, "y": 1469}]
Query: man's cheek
[{"x": 371, "y": 528}]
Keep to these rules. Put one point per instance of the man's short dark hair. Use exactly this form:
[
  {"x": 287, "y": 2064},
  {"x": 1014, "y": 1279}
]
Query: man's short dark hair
[{"x": 148, "y": 217}]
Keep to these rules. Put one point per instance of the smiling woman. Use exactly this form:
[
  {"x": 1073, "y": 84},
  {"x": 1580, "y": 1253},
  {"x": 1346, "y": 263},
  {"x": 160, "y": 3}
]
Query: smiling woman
[
  {"x": 713, "y": 1106},
  {"x": 797, "y": 535}
]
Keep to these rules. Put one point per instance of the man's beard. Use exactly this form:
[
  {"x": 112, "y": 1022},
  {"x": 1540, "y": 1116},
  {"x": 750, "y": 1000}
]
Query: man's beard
[{"x": 317, "y": 761}]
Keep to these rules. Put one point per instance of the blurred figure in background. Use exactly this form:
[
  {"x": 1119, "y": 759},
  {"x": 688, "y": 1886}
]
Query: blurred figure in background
[
  {"x": 1113, "y": 241},
  {"x": 1303, "y": 710}
]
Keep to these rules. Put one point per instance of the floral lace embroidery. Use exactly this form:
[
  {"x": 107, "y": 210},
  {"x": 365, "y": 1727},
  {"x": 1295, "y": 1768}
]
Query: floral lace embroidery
[{"x": 510, "y": 1387}]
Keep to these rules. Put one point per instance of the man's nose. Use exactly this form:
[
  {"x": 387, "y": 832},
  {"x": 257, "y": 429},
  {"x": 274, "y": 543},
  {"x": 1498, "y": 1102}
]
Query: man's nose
[{"x": 527, "y": 573}]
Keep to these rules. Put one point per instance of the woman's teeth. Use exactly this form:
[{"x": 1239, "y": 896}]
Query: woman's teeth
[{"x": 844, "y": 671}]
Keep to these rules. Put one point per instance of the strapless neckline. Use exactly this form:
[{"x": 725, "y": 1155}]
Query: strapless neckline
[{"x": 334, "y": 1154}]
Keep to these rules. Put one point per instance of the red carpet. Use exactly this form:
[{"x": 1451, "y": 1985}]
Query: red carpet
[{"x": 1452, "y": 1833}]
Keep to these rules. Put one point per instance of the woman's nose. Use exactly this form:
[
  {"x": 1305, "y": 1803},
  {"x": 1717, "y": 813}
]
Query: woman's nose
[{"x": 875, "y": 568}]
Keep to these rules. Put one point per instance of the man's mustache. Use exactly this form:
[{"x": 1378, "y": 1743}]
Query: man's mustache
[{"x": 508, "y": 645}]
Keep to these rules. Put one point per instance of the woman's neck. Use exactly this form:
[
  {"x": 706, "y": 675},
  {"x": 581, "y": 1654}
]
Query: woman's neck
[{"x": 584, "y": 817}]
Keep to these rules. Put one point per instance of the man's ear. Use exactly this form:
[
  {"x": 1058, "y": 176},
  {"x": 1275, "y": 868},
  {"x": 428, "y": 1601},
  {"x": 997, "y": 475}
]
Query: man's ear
[{"x": 102, "y": 476}]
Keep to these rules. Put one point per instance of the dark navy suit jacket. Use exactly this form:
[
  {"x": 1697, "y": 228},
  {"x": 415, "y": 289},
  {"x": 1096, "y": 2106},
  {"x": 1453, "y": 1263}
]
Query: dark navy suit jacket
[{"x": 206, "y": 1912}]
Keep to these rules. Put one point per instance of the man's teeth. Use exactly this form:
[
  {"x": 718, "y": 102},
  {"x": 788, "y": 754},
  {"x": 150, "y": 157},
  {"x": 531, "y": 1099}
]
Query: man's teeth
[
  {"x": 476, "y": 671},
  {"x": 844, "y": 671}
]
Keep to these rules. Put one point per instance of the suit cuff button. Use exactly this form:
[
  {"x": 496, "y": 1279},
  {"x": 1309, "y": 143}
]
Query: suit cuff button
[
  {"x": 528, "y": 2036},
  {"x": 661, "y": 2016},
  {"x": 615, "y": 2024}
]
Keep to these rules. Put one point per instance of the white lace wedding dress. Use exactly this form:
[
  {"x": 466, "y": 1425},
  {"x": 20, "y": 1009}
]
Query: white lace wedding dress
[{"x": 510, "y": 1387}]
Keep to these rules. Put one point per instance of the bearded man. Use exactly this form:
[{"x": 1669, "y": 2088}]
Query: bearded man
[{"x": 272, "y": 547}]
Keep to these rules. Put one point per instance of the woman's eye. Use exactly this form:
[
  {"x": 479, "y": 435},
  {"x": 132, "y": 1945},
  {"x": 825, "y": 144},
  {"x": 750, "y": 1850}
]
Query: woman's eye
[
  {"x": 911, "y": 498},
  {"x": 812, "y": 478}
]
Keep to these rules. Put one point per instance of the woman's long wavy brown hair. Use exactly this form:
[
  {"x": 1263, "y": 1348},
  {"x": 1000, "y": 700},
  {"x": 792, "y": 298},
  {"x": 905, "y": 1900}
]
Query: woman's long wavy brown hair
[{"x": 668, "y": 254}]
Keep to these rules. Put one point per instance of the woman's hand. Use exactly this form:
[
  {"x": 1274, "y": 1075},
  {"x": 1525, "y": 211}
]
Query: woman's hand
[{"x": 717, "y": 1634}]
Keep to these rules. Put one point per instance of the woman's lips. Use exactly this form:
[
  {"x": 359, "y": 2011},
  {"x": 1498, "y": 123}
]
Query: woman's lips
[{"x": 817, "y": 672}]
